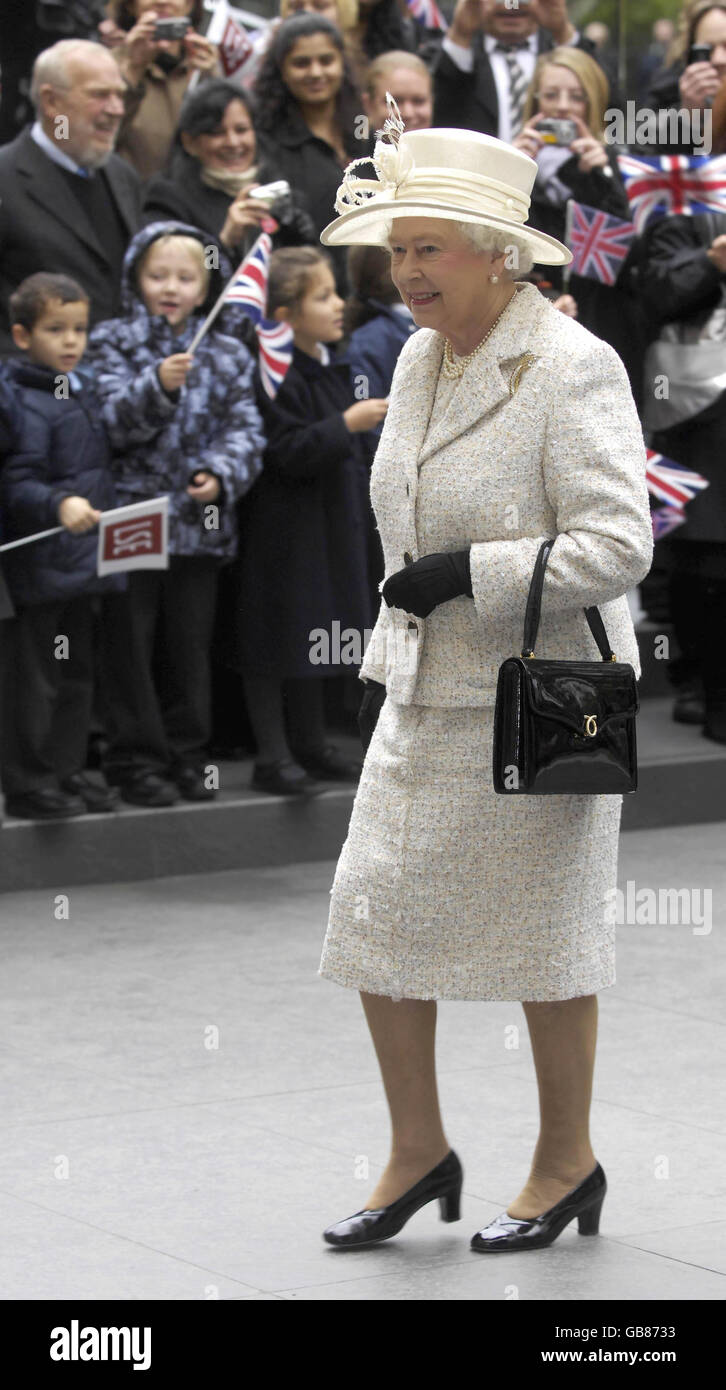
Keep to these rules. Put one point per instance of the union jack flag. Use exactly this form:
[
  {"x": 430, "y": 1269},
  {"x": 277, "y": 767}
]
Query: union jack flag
[
  {"x": 427, "y": 13},
  {"x": 249, "y": 288},
  {"x": 671, "y": 482},
  {"x": 673, "y": 183},
  {"x": 598, "y": 241},
  {"x": 665, "y": 519}
]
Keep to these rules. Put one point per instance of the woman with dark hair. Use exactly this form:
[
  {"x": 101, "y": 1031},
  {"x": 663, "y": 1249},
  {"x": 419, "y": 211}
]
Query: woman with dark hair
[
  {"x": 158, "y": 72},
  {"x": 309, "y": 111},
  {"x": 687, "y": 86},
  {"x": 216, "y": 161}
]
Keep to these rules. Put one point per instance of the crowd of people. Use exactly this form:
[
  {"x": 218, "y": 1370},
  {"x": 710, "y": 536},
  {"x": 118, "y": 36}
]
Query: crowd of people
[{"x": 128, "y": 176}]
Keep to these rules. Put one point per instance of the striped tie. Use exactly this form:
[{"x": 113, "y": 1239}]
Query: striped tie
[{"x": 518, "y": 86}]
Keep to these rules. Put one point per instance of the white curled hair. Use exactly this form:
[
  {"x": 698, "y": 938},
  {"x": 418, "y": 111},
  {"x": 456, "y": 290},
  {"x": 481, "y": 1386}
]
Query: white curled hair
[
  {"x": 498, "y": 240},
  {"x": 51, "y": 65}
]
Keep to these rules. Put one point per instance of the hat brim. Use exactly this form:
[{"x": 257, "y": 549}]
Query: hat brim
[{"x": 365, "y": 226}]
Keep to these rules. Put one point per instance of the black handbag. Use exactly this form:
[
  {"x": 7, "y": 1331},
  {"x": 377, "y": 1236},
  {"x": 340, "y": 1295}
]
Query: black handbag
[{"x": 564, "y": 727}]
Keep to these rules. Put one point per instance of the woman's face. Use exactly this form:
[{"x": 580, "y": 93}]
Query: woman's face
[
  {"x": 561, "y": 93},
  {"x": 439, "y": 275},
  {"x": 328, "y": 9},
  {"x": 232, "y": 146},
  {"x": 313, "y": 69},
  {"x": 712, "y": 29}
]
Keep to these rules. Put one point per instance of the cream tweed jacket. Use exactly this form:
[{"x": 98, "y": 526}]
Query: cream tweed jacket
[{"x": 552, "y": 449}]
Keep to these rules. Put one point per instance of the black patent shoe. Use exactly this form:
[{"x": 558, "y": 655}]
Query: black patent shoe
[
  {"x": 48, "y": 803},
  {"x": 368, "y": 1227},
  {"x": 96, "y": 799},
  {"x": 284, "y": 778},
  {"x": 330, "y": 763},
  {"x": 585, "y": 1201}
]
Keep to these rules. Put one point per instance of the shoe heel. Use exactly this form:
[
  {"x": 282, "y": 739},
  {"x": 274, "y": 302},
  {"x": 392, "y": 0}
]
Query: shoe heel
[
  {"x": 450, "y": 1205},
  {"x": 588, "y": 1222}
]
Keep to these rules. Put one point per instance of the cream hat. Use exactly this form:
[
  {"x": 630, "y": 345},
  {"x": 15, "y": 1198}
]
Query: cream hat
[{"x": 458, "y": 175}]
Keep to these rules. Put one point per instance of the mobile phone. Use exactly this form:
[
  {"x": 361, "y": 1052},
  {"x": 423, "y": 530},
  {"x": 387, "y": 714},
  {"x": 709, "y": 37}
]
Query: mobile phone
[
  {"x": 556, "y": 132},
  {"x": 171, "y": 28},
  {"x": 700, "y": 53}
]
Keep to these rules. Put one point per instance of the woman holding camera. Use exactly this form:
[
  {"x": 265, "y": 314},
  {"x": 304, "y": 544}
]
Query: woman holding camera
[
  {"x": 161, "y": 52},
  {"x": 564, "y": 132},
  {"x": 694, "y": 77},
  {"x": 216, "y": 165}
]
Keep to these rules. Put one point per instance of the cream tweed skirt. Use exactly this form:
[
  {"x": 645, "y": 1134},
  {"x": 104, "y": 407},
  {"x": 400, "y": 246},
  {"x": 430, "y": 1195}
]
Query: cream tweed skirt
[{"x": 446, "y": 890}]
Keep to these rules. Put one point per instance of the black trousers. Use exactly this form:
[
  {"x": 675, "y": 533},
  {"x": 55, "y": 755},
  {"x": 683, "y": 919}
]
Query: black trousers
[
  {"x": 697, "y": 592},
  {"x": 156, "y": 668},
  {"x": 47, "y": 694}
]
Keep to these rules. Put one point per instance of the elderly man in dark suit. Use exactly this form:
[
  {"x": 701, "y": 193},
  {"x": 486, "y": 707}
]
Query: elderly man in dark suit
[
  {"x": 487, "y": 60},
  {"x": 67, "y": 203}
]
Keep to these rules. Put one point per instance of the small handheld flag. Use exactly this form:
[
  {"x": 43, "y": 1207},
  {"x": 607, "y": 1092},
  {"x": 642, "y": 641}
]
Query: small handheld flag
[
  {"x": 665, "y": 519},
  {"x": 670, "y": 481},
  {"x": 134, "y": 537},
  {"x": 598, "y": 241},
  {"x": 248, "y": 287},
  {"x": 673, "y": 183},
  {"x": 427, "y": 13}
]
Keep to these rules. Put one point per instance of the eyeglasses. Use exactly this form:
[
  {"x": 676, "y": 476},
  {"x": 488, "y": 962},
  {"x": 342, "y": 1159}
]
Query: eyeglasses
[{"x": 554, "y": 95}]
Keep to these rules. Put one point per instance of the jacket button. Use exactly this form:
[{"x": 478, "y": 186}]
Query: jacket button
[
  {"x": 413, "y": 627},
  {"x": 407, "y": 558}
]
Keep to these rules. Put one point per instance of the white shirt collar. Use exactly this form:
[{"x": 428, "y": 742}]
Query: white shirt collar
[
  {"x": 50, "y": 148},
  {"x": 490, "y": 43}
]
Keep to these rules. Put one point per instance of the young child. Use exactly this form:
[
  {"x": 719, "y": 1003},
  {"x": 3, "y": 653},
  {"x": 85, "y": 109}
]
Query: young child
[
  {"x": 303, "y": 558},
  {"x": 186, "y": 425},
  {"x": 56, "y": 471}
]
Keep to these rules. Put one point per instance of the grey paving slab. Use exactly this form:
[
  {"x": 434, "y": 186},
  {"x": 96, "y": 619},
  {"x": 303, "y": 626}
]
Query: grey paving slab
[
  {"x": 192, "y": 1164},
  {"x": 48, "y": 1256},
  {"x": 574, "y": 1269}
]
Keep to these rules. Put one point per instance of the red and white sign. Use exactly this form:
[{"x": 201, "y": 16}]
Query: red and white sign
[
  {"x": 234, "y": 43},
  {"x": 134, "y": 537}
]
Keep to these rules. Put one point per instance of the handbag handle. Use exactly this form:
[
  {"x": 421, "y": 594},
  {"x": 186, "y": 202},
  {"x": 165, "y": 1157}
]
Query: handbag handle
[{"x": 534, "y": 604}]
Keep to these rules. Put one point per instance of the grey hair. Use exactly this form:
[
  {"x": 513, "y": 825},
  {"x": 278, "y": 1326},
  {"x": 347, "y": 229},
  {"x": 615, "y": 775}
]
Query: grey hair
[
  {"x": 51, "y": 66},
  {"x": 498, "y": 240}
]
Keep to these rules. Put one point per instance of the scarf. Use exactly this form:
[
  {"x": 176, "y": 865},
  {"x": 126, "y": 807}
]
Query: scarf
[
  {"x": 549, "y": 160},
  {"x": 230, "y": 181}
]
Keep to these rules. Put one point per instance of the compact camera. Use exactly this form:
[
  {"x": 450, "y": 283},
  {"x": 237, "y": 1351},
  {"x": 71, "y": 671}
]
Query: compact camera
[
  {"x": 170, "y": 29},
  {"x": 269, "y": 193},
  {"x": 556, "y": 132},
  {"x": 700, "y": 53}
]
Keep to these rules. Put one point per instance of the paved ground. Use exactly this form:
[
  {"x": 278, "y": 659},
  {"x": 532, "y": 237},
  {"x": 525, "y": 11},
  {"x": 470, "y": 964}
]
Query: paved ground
[{"x": 187, "y": 1104}]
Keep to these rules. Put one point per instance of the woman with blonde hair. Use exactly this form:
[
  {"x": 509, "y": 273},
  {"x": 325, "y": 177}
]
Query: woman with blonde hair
[{"x": 569, "y": 86}]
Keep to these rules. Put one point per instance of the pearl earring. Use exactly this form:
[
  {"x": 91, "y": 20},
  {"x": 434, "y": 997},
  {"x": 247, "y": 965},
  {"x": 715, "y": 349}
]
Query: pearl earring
[{"x": 494, "y": 279}]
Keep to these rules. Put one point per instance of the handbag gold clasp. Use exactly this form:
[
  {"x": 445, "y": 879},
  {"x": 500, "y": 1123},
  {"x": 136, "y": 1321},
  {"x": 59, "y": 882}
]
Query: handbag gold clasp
[{"x": 590, "y": 725}]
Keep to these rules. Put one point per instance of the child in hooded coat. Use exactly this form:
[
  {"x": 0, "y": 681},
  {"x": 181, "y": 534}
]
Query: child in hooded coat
[{"x": 188, "y": 426}]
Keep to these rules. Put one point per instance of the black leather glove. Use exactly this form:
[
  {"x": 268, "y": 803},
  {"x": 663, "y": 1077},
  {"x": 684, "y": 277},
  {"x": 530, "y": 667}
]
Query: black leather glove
[
  {"x": 434, "y": 579},
  {"x": 370, "y": 708}
]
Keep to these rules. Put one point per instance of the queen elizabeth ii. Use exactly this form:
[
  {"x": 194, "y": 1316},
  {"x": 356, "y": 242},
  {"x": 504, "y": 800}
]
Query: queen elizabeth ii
[{"x": 508, "y": 423}]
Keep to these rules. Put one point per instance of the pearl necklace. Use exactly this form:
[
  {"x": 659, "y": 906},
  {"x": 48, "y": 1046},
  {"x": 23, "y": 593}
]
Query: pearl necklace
[{"x": 453, "y": 369}]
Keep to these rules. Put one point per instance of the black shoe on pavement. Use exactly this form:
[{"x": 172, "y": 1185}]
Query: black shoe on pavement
[
  {"x": 689, "y": 706},
  {"x": 507, "y": 1232},
  {"x": 330, "y": 763},
  {"x": 94, "y": 797},
  {"x": 369, "y": 1226},
  {"x": 284, "y": 778},
  {"x": 146, "y": 789},
  {"x": 48, "y": 803},
  {"x": 191, "y": 784}
]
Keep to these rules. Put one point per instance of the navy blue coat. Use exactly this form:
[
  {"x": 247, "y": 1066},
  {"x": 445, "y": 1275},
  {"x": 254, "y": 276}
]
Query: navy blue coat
[
  {"x": 374, "y": 348},
  {"x": 60, "y": 450},
  {"x": 304, "y": 526}
]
